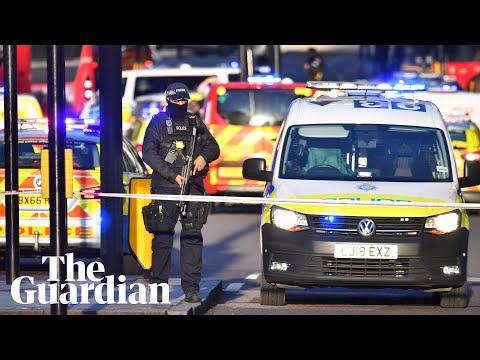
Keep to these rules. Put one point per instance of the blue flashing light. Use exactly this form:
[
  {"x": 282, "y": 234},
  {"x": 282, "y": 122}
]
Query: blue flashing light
[
  {"x": 410, "y": 87},
  {"x": 447, "y": 87},
  {"x": 2, "y": 89},
  {"x": 382, "y": 87},
  {"x": 331, "y": 219},
  {"x": 88, "y": 125},
  {"x": 265, "y": 79},
  {"x": 91, "y": 121},
  {"x": 149, "y": 112},
  {"x": 106, "y": 219},
  {"x": 235, "y": 64}
]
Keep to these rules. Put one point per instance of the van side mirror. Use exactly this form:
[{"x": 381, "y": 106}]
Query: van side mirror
[
  {"x": 472, "y": 174},
  {"x": 255, "y": 169}
]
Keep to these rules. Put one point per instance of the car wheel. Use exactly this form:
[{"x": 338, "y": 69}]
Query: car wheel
[
  {"x": 271, "y": 294},
  {"x": 456, "y": 298}
]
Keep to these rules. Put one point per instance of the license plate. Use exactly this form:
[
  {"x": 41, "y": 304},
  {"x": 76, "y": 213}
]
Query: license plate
[
  {"x": 32, "y": 201},
  {"x": 231, "y": 172},
  {"x": 366, "y": 251}
]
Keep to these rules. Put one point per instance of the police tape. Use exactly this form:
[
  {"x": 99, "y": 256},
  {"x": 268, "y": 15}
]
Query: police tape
[{"x": 267, "y": 201}]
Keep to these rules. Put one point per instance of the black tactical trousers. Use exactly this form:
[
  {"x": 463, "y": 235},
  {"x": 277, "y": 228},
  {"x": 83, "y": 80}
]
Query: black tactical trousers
[{"x": 191, "y": 242}]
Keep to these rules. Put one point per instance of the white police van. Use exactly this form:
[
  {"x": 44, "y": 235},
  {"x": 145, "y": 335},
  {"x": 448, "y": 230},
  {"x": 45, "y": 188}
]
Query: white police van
[{"x": 356, "y": 143}]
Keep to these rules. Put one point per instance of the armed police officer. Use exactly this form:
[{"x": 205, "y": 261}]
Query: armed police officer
[{"x": 168, "y": 139}]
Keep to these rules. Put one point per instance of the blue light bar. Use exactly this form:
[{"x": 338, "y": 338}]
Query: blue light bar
[
  {"x": 383, "y": 87},
  {"x": 149, "y": 111},
  {"x": 88, "y": 125},
  {"x": 265, "y": 79},
  {"x": 445, "y": 88}
]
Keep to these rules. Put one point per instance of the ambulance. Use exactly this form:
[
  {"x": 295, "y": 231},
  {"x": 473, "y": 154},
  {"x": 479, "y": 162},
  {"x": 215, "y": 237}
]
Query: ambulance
[
  {"x": 245, "y": 118},
  {"x": 351, "y": 143}
]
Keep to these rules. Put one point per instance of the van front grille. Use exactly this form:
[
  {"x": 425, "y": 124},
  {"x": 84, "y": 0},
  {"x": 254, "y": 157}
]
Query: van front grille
[{"x": 385, "y": 226}]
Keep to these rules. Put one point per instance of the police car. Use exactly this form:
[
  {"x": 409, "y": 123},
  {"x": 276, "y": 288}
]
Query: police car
[
  {"x": 83, "y": 210},
  {"x": 355, "y": 142}
]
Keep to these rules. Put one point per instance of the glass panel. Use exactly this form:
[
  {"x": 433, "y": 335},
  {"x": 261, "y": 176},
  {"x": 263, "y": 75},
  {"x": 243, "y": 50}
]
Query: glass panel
[
  {"x": 262, "y": 107},
  {"x": 373, "y": 152}
]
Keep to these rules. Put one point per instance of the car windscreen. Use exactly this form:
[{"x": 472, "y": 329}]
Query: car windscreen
[
  {"x": 85, "y": 154},
  {"x": 374, "y": 152},
  {"x": 257, "y": 107},
  {"x": 457, "y": 134}
]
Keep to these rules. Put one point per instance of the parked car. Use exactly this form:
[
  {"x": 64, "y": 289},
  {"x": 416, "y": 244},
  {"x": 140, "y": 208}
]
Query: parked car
[{"x": 245, "y": 117}]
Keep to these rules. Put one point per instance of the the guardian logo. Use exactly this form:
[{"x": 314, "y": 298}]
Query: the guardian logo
[{"x": 72, "y": 293}]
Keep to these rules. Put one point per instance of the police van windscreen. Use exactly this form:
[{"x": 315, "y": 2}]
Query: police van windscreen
[
  {"x": 256, "y": 107},
  {"x": 374, "y": 152}
]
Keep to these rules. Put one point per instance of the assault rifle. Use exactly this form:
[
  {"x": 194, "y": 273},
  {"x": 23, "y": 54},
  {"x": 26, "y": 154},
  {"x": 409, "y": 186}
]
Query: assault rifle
[{"x": 188, "y": 165}]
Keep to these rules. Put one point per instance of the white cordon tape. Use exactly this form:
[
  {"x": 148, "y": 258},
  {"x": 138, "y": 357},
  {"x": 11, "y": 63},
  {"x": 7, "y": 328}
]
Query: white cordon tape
[{"x": 262, "y": 200}]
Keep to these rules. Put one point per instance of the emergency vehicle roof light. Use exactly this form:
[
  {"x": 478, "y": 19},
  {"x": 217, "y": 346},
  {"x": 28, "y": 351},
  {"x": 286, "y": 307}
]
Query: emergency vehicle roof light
[
  {"x": 91, "y": 126},
  {"x": 445, "y": 88},
  {"x": 264, "y": 79},
  {"x": 88, "y": 125},
  {"x": 359, "y": 86}
]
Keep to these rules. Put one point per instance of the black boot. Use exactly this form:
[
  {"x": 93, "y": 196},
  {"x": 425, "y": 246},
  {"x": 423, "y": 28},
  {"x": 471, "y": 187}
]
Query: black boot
[{"x": 192, "y": 296}]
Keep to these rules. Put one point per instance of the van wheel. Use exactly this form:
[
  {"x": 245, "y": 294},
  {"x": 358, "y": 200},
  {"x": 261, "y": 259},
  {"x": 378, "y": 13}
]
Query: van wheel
[
  {"x": 456, "y": 298},
  {"x": 271, "y": 294}
]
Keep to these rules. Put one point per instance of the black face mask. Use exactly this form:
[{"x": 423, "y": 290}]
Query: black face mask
[{"x": 177, "y": 111}]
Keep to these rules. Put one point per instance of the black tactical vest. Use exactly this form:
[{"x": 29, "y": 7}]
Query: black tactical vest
[{"x": 179, "y": 132}]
